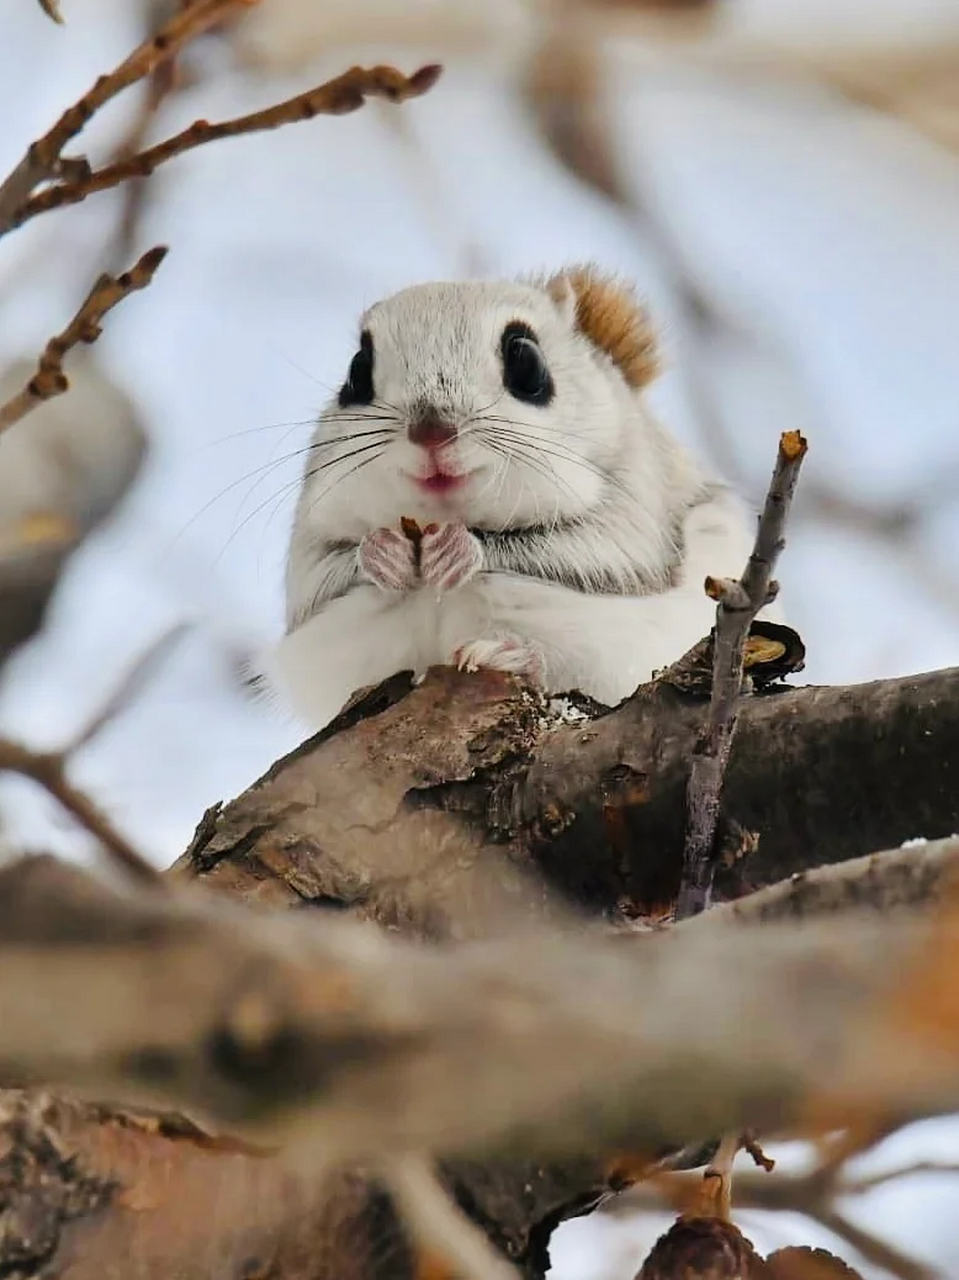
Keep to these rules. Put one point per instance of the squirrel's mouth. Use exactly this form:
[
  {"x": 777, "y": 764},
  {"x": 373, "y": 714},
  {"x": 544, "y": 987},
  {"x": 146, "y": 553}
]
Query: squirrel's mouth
[
  {"x": 442, "y": 478},
  {"x": 442, "y": 481}
]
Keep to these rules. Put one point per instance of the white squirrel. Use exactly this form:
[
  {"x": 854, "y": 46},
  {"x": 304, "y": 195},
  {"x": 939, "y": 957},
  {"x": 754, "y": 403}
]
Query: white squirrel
[{"x": 565, "y": 535}]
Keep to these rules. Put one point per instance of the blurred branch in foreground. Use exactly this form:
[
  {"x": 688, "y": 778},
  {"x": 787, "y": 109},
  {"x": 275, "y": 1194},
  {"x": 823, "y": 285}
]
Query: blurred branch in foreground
[{"x": 352, "y": 1046}]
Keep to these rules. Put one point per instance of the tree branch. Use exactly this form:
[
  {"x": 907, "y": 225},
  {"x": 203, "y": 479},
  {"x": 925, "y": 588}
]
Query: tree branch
[
  {"x": 49, "y": 379},
  {"x": 439, "y": 1225},
  {"x": 595, "y": 806},
  {"x": 345, "y": 93},
  {"x": 48, "y": 770},
  {"x": 738, "y": 604},
  {"x": 352, "y": 1046},
  {"x": 917, "y": 875},
  {"x": 52, "y": 9},
  {"x": 44, "y": 160}
]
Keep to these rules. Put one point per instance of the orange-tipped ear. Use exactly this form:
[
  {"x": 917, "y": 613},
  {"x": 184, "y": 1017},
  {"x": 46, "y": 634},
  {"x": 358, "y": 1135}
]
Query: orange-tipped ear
[{"x": 608, "y": 312}]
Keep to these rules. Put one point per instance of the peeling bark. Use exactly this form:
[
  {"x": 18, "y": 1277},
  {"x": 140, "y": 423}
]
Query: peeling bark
[
  {"x": 595, "y": 807},
  {"x": 394, "y": 813}
]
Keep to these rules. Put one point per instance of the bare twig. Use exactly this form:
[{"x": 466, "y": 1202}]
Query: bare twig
[
  {"x": 48, "y": 770},
  {"x": 717, "y": 1182},
  {"x": 872, "y": 1248},
  {"x": 860, "y": 1186},
  {"x": 438, "y": 1225},
  {"x": 339, "y": 96},
  {"x": 813, "y": 1194},
  {"x": 52, "y": 9},
  {"x": 160, "y": 85},
  {"x": 128, "y": 689},
  {"x": 895, "y": 879},
  {"x": 738, "y": 604},
  {"x": 50, "y": 380},
  {"x": 44, "y": 158}
]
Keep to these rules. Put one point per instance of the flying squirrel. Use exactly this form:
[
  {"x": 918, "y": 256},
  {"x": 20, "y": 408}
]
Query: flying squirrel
[{"x": 489, "y": 489}]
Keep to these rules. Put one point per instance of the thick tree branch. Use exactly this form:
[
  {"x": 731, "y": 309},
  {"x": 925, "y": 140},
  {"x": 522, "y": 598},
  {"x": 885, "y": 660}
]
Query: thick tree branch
[
  {"x": 345, "y": 93},
  {"x": 49, "y": 379},
  {"x": 463, "y": 768},
  {"x": 349, "y": 1045},
  {"x": 596, "y": 806},
  {"x": 738, "y": 604}
]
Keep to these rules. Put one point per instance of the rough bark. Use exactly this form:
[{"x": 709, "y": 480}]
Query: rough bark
[
  {"x": 347, "y": 1047},
  {"x": 594, "y": 806},
  {"x": 397, "y": 814}
]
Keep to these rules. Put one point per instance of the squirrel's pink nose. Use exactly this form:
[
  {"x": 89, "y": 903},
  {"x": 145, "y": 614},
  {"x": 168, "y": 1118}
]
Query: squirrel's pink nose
[{"x": 430, "y": 430}]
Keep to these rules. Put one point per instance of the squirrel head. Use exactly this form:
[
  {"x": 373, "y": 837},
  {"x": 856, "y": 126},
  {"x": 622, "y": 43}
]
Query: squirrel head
[{"x": 499, "y": 404}]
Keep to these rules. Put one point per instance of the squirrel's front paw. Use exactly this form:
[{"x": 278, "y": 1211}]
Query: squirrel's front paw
[
  {"x": 503, "y": 653},
  {"x": 388, "y": 560},
  {"x": 449, "y": 555}
]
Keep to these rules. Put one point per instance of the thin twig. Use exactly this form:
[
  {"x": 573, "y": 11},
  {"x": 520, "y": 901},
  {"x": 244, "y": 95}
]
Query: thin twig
[
  {"x": 52, "y": 9},
  {"x": 161, "y": 84},
  {"x": 48, "y": 770},
  {"x": 872, "y": 1248},
  {"x": 339, "y": 96},
  {"x": 813, "y": 1194},
  {"x": 438, "y": 1225},
  {"x": 129, "y": 688},
  {"x": 50, "y": 380},
  {"x": 44, "y": 158},
  {"x": 738, "y": 604},
  {"x": 860, "y": 1186},
  {"x": 717, "y": 1186}
]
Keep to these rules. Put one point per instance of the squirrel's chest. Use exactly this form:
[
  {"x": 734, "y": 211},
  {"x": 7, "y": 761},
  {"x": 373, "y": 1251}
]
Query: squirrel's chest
[{"x": 437, "y": 622}]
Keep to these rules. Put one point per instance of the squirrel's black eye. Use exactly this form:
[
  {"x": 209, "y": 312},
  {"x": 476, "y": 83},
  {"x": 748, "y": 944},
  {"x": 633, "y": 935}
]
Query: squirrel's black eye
[
  {"x": 525, "y": 375},
  {"x": 358, "y": 387}
]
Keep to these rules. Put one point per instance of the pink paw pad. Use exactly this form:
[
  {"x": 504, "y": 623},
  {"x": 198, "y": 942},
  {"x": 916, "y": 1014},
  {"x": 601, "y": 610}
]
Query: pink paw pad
[
  {"x": 449, "y": 555},
  {"x": 388, "y": 559},
  {"x": 503, "y": 653}
]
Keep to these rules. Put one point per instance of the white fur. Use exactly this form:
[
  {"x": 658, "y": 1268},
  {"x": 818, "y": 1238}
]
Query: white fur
[{"x": 593, "y": 453}]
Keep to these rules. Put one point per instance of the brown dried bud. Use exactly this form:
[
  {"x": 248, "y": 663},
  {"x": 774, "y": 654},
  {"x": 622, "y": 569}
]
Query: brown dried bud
[
  {"x": 703, "y": 1249},
  {"x": 804, "y": 1263}
]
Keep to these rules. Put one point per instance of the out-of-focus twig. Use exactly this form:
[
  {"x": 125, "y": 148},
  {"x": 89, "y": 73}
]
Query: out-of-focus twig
[
  {"x": 50, "y": 380},
  {"x": 128, "y": 689},
  {"x": 48, "y": 770},
  {"x": 344, "y": 94},
  {"x": 738, "y": 604},
  {"x": 44, "y": 159},
  {"x": 814, "y": 1193},
  {"x": 160, "y": 85},
  {"x": 439, "y": 1225},
  {"x": 52, "y": 9}
]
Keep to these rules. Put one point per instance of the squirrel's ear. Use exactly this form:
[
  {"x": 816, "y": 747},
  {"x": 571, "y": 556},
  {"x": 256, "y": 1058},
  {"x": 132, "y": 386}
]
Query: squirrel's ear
[{"x": 609, "y": 314}]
